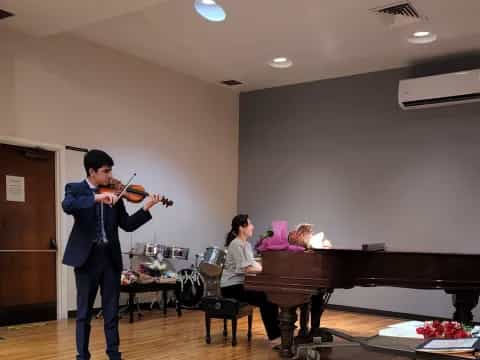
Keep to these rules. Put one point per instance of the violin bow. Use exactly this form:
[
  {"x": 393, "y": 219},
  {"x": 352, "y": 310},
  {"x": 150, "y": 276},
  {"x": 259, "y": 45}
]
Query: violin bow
[{"x": 126, "y": 185}]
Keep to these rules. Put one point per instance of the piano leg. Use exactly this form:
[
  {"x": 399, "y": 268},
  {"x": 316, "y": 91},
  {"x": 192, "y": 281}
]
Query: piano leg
[
  {"x": 288, "y": 303},
  {"x": 464, "y": 302},
  {"x": 304, "y": 316},
  {"x": 317, "y": 307},
  {"x": 287, "y": 319}
]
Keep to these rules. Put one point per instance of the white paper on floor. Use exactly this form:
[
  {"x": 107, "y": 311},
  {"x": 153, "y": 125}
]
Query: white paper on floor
[{"x": 407, "y": 329}]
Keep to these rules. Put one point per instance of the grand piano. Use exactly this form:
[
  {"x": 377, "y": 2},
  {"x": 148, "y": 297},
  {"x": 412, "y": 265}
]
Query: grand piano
[{"x": 291, "y": 278}]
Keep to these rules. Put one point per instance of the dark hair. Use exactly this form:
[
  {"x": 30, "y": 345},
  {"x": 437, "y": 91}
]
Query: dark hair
[
  {"x": 95, "y": 159},
  {"x": 237, "y": 221}
]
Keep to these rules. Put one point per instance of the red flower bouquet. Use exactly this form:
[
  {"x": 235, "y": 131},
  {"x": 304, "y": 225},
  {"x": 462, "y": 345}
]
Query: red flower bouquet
[{"x": 444, "y": 329}]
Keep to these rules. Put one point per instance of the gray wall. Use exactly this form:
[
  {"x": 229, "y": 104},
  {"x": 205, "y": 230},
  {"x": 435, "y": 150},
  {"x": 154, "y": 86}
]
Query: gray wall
[{"x": 341, "y": 154}]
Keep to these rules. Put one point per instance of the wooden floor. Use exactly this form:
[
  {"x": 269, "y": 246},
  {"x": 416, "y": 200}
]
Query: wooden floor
[{"x": 159, "y": 337}]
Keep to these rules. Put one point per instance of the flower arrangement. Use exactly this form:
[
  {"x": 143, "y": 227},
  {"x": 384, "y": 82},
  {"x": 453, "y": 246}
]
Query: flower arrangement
[{"x": 444, "y": 329}]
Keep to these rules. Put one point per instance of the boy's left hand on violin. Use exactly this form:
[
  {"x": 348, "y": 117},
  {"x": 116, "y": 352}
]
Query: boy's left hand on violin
[{"x": 152, "y": 200}]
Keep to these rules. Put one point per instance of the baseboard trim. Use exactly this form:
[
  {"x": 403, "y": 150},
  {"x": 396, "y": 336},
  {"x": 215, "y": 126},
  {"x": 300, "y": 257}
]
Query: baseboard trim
[
  {"x": 384, "y": 313},
  {"x": 28, "y": 313}
]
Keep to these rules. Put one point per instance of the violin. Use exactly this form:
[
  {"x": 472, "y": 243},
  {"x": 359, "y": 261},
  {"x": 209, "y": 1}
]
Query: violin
[{"x": 132, "y": 193}]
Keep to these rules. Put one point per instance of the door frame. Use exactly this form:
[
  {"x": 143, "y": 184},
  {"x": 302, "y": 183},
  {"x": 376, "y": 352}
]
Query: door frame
[{"x": 61, "y": 223}]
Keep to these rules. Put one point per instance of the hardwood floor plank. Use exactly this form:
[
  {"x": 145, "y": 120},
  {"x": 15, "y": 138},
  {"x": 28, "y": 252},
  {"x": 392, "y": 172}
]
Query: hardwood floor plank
[{"x": 157, "y": 337}]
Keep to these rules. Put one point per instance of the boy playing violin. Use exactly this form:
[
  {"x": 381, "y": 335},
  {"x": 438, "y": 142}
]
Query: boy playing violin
[{"x": 93, "y": 248}]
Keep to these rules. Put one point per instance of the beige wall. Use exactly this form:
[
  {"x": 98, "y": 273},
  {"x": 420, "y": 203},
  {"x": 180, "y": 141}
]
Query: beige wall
[
  {"x": 178, "y": 134},
  {"x": 6, "y": 95}
]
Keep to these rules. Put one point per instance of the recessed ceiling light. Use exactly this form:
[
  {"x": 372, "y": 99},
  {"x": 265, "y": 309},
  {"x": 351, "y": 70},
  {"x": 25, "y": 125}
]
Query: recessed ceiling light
[
  {"x": 280, "y": 62},
  {"x": 421, "y": 33},
  {"x": 422, "y": 37},
  {"x": 210, "y": 10}
]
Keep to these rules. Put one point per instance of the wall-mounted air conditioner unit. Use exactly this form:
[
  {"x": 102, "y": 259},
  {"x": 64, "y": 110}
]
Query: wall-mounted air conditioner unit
[{"x": 439, "y": 90}]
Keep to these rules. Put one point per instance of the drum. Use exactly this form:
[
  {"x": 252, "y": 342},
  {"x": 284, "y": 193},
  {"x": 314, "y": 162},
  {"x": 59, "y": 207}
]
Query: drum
[
  {"x": 173, "y": 252},
  {"x": 213, "y": 260},
  {"x": 191, "y": 287}
]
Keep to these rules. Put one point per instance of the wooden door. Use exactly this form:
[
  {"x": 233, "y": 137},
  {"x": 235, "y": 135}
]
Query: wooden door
[{"x": 28, "y": 289}]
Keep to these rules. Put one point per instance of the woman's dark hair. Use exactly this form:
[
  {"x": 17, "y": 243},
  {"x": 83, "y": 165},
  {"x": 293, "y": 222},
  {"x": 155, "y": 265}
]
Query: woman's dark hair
[
  {"x": 237, "y": 221},
  {"x": 95, "y": 159}
]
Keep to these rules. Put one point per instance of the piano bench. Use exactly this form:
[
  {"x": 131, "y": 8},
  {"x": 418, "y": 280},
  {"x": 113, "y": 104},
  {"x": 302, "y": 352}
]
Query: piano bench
[{"x": 216, "y": 307}]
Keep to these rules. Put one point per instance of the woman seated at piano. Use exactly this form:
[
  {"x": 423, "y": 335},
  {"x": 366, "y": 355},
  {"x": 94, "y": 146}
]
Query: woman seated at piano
[{"x": 240, "y": 261}]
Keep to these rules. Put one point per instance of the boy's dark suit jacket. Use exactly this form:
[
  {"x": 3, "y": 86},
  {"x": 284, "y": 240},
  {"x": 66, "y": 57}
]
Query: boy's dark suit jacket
[{"x": 79, "y": 201}]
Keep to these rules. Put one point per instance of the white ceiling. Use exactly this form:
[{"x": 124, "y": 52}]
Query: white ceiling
[{"x": 324, "y": 38}]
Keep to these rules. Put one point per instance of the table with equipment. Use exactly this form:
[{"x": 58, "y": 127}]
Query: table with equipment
[
  {"x": 135, "y": 288},
  {"x": 152, "y": 275}
]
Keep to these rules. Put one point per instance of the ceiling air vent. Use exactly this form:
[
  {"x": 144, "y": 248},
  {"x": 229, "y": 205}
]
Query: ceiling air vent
[
  {"x": 231, "y": 82},
  {"x": 403, "y": 9},
  {"x": 400, "y": 14},
  {"x": 5, "y": 14}
]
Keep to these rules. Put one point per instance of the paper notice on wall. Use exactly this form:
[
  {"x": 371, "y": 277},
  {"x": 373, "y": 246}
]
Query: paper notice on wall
[{"x": 15, "y": 188}]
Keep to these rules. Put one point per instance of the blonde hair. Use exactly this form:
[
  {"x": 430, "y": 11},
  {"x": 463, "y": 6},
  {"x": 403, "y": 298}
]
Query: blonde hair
[
  {"x": 304, "y": 228},
  {"x": 297, "y": 237}
]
